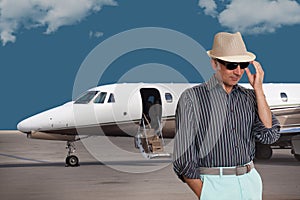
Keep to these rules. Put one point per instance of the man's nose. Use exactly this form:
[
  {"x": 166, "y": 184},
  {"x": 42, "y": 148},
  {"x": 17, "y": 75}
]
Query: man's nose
[{"x": 238, "y": 70}]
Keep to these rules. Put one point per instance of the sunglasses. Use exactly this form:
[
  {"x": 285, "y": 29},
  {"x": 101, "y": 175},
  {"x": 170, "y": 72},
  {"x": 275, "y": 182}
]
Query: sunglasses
[{"x": 233, "y": 65}]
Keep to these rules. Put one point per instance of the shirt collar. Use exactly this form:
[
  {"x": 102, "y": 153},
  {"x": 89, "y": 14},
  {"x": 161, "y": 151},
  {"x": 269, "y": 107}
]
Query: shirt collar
[{"x": 213, "y": 82}]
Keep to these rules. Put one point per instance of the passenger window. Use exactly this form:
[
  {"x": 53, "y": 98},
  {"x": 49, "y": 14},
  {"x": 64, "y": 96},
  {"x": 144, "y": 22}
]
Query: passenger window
[
  {"x": 86, "y": 98},
  {"x": 284, "y": 97},
  {"x": 100, "y": 98},
  {"x": 169, "y": 97},
  {"x": 111, "y": 98}
]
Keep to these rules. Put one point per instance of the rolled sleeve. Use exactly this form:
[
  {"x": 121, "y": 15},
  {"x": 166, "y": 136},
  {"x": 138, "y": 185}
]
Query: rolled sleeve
[
  {"x": 189, "y": 170},
  {"x": 185, "y": 152},
  {"x": 267, "y": 135}
]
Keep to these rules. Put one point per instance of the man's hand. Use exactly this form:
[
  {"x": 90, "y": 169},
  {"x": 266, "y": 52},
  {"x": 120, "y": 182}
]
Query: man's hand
[
  {"x": 256, "y": 80},
  {"x": 195, "y": 185}
]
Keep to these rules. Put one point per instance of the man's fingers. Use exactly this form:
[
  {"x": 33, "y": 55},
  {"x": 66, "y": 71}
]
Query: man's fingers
[
  {"x": 255, "y": 63},
  {"x": 257, "y": 67},
  {"x": 248, "y": 72}
]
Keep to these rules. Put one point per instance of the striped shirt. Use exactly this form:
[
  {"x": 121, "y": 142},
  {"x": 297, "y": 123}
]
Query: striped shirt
[{"x": 216, "y": 129}]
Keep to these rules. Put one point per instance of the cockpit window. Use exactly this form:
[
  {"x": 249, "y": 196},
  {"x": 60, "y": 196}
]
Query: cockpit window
[
  {"x": 86, "y": 98},
  {"x": 111, "y": 98},
  {"x": 100, "y": 98}
]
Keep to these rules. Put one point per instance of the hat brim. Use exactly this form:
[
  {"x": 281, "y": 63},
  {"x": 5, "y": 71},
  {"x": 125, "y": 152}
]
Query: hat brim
[{"x": 247, "y": 57}]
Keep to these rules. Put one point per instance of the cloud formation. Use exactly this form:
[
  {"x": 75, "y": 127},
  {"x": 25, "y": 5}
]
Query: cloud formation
[
  {"x": 209, "y": 6},
  {"x": 28, "y": 14},
  {"x": 255, "y": 16},
  {"x": 95, "y": 34}
]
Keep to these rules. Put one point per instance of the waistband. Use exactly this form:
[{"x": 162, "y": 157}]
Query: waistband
[{"x": 237, "y": 170}]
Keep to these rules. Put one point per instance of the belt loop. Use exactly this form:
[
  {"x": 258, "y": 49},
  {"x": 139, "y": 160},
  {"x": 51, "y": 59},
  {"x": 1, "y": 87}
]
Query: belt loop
[
  {"x": 221, "y": 171},
  {"x": 248, "y": 166}
]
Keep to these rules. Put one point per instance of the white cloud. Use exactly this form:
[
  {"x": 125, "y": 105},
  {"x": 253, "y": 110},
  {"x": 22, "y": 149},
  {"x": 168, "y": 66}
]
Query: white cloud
[
  {"x": 209, "y": 7},
  {"x": 259, "y": 16},
  {"x": 95, "y": 34},
  {"x": 16, "y": 14}
]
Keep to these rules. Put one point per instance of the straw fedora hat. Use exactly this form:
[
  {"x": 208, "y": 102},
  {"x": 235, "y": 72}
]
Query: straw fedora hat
[{"x": 230, "y": 47}]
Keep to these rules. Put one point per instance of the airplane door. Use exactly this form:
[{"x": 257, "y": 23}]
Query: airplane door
[{"x": 152, "y": 107}]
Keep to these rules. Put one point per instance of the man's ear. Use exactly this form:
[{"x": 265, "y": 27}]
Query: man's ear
[{"x": 214, "y": 64}]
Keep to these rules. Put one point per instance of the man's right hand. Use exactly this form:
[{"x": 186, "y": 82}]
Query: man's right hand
[{"x": 195, "y": 185}]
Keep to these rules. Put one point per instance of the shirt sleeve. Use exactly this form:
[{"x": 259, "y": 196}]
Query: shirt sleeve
[
  {"x": 185, "y": 151},
  {"x": 266, "y": 135}
]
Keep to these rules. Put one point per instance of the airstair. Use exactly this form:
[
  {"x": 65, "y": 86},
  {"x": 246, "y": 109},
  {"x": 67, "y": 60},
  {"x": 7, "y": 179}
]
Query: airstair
[{"x": 149, "y": 141}]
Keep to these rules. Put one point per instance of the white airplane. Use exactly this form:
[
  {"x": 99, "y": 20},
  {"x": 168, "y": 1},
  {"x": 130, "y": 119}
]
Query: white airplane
[{"x": 124, "y": 109}]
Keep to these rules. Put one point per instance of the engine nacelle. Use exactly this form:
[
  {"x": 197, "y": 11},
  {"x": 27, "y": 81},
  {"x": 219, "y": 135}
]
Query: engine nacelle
[{"x": 50, "y": 136}]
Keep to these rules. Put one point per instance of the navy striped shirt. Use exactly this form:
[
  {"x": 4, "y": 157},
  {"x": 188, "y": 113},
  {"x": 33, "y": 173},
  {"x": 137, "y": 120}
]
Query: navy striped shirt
[{"x": 216, "y": 129}]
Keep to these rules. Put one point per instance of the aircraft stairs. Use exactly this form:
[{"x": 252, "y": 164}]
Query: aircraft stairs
[{"x": 150, "y": 141}]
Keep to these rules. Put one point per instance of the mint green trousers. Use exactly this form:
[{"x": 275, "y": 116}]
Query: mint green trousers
[{"x": 232, "y": 187}]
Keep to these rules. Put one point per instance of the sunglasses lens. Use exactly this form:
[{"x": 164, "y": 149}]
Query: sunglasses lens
[
  {"x": 244, "y": 65},
  {"x": 231, "y": 66}
]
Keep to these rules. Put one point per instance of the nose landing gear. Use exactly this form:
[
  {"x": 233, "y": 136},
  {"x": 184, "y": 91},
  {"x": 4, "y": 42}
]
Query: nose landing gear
[{"x": 71, "y": 160}]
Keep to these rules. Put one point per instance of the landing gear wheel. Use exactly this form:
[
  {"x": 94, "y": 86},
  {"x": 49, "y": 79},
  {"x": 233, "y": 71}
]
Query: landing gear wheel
[
  {"x": 263, "y": 152},
  {"x": 297, "y": 156},
  {"x": 72, "y": 161}
]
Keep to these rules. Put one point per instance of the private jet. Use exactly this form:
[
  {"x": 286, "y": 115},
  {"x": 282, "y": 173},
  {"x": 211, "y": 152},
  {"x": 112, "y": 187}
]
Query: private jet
[{"x": 139, "y": 109}]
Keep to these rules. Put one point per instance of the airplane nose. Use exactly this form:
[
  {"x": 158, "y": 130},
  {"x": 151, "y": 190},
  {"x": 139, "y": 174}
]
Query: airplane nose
[
  {"x": 56, "y": 117},
  {"x": 24, "y": 126}
]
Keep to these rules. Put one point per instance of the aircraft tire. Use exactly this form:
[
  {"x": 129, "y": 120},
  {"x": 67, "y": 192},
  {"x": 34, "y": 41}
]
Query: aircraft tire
[
  {"x": 297, "y": 156},
  {"x": 72, "y": 161},
  {"x": 263, "y": 152}
]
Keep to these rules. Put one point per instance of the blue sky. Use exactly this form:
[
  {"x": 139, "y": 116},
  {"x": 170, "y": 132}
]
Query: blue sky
[{"x": 44, "y": 42}]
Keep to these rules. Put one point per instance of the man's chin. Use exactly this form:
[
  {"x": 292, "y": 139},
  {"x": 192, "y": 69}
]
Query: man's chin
[{"x": 234, "y": 81}]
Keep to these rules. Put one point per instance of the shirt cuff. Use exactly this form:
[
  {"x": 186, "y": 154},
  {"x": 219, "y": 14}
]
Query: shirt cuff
[{"x": 189, "y": 171}]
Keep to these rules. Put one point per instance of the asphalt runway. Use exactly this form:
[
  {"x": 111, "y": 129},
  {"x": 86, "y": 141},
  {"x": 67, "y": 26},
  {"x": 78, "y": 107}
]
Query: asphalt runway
[{"x": 35, "y": 169}]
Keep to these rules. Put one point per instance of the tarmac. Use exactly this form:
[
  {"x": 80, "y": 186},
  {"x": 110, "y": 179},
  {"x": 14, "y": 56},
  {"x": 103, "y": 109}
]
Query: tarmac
[{"x": 35, "y": 169}]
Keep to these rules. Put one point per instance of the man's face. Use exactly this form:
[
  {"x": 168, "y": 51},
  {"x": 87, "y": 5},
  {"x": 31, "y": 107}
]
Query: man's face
[{"x": 229, "y": 77}]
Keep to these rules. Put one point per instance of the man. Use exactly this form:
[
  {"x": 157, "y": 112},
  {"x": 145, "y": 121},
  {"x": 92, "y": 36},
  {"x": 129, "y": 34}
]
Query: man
[{"x": 218, "y": 122}]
